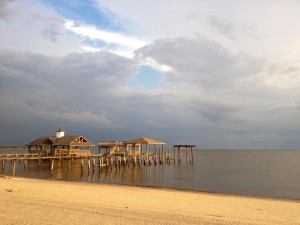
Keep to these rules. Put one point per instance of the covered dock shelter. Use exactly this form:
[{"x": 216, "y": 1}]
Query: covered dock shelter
[
  {"x": 144, "y": 141},
  {"x": 60, "y": 145}
]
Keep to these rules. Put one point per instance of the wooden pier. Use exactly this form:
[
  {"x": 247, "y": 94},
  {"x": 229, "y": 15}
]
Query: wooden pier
[{"x": 92, "y": 160}]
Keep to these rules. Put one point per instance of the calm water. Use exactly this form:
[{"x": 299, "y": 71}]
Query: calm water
[{"x": 268, "y": 173}]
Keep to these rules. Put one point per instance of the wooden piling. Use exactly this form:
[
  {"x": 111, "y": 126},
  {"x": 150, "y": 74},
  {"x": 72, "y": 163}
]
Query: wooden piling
[
  {"x": 163, "y": 156},
  {"x": 147, "y": 155},
  {"x": 52, "y": 166},
  {"x": 134, "y": 161},
  {"x": 3, "y": 164},
  {"x": 94, "y": 163},
  {"x": 14, "y": 167},
  {"x": 82, "y": 164},
  {"x": 179, "y": 155},
  {"x": 186, "y": 155},
  {"x": 99, "y": 163},
  {"x": 89, "y": 164},
  {"x": 116, "y": 163},
  {"x": 60, "y": 162},
  {"x": 25, "y": 163},
  {"x": 159, "y": 156},
  {"x": 155, "y": 155},
  {"x": 174, "y": 154},
  {"x": 190, "y": 150}
]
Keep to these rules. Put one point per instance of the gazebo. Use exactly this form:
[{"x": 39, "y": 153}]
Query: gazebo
[{"x": 144, "y": 141}]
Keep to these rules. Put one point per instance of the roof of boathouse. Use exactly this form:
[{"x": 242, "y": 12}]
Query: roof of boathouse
[
  {"x": 145, "y": 140},
  {"x": 63, "y": 141}
]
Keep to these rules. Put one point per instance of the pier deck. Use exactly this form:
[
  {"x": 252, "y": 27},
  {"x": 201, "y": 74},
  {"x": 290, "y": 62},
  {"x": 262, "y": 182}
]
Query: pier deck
[{"x": 101, "y": 160}]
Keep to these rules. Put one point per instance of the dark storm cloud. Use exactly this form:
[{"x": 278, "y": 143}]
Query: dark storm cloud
[
  {"x": 70, "y": 87},
  {"x": 202, "y": 101},
  {"x": 85, "y": 92}
]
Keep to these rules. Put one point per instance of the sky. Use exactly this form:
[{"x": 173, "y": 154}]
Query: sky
[{"x": 217, "y": 74}]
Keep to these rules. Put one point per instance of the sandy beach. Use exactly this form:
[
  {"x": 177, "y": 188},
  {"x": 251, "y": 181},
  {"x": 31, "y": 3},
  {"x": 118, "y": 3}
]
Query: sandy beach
[{"x": 33, "y": 201}]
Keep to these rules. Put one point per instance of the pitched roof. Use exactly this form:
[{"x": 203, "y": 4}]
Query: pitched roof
[
  {"x": 145, "y": 140},
  {"x": 66, "y": 140},
  {"x": 42, "y": 141},
  {"x": 63, "y": 141}
]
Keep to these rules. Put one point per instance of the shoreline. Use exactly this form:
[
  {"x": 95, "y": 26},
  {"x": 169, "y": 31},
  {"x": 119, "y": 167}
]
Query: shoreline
[
  {"x": 41, "y": 201},
  {"x": 163, "y": 188}
]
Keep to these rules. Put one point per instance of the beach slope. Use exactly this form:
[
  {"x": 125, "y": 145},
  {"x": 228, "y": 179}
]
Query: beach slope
[{"x": 32, "y": 201}]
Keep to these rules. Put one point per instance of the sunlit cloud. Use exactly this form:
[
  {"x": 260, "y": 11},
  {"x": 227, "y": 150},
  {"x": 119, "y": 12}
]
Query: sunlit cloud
[
  {"x": 87, "y": 48},
  {"x": 94, "y": 33}
]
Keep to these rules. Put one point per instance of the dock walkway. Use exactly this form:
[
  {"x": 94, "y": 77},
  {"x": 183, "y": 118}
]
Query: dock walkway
[{"x": 92, "y": 160}]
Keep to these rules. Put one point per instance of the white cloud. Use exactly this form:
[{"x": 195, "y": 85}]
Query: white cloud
[
  {"x": 154, "y": 64},
  {"x": 94, "y": 33},
  {"x": 6, "y": 9},
  {"x": 263, "y": 24},
  {"x": 35, "y": 28}
]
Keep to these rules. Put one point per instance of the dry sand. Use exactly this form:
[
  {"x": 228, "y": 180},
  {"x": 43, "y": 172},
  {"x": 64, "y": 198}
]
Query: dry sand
[{"x": 33, "y": 201}]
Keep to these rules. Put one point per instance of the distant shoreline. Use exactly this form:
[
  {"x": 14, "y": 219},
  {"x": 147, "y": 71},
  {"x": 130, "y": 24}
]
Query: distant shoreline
[{"x": 13, "y": 147}]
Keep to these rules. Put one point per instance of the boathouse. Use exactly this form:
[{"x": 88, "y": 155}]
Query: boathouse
[{"x": 61, "y": 145}]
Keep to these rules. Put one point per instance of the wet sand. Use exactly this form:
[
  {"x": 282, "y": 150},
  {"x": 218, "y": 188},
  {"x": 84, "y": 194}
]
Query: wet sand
[{"x": 32, "y": 201}]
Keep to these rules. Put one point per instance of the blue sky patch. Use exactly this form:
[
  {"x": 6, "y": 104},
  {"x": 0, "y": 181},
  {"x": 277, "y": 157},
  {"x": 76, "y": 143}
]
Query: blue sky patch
[
  {"x": 86, "y": 11},
  {"x": 147, "y": 79},
  {"x": 96, "y": 43}
]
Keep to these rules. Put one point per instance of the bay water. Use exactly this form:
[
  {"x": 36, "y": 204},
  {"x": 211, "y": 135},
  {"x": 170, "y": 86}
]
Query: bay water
[{"x": 248, "y": 172}]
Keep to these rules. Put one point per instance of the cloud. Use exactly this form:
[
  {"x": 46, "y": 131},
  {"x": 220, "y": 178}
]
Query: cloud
[
  {"x": 111, "y": 38},
  {"x": 74, "y": 87},
  {"x": 224, "y": 84},
  {"x": 51, "y": 33},
  {"x": 200, "y": 62},
  {"x": 5, "y": 8},
  {"x": 80, "y": 90},
  {"x": 282, "y": 75},
  {"x": 89, "y": 92},
  {"x": 36, "y": 28}
]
